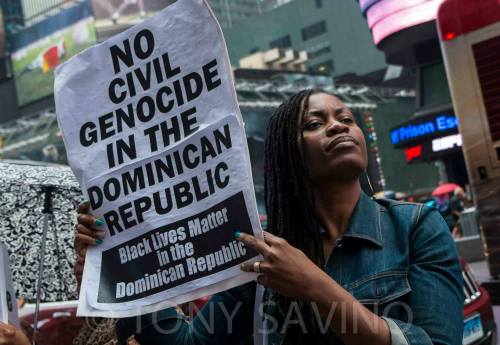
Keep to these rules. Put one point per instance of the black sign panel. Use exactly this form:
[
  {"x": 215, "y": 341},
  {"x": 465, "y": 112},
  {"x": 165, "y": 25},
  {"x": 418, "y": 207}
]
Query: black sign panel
[{"x": 176, "y": 253}]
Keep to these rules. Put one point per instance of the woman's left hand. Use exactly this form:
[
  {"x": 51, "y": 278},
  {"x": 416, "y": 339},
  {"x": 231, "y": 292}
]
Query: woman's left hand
[
  {"x": 285, "y": 269},
  {"x": 10, "y": 335}
]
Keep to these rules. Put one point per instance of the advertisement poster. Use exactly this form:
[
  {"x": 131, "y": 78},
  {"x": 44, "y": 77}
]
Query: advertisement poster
[
  {"x": 39, "y": 49},
  {"x": 155, "y": 138}
]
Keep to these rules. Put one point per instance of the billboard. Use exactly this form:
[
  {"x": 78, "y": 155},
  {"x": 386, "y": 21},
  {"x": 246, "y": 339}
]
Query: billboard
[
  {"x": 37, "y": 50},
  {"x": 113, "y": 14},
  {"x": 386, "y": 17}
]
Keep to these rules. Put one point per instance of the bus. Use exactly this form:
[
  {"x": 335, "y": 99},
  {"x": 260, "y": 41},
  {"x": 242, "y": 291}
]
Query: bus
[{"x": 469, "y": 33}]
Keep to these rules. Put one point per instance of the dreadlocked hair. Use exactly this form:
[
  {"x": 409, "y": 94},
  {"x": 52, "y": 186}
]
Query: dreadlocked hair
[{"x": 290, "y": 204}]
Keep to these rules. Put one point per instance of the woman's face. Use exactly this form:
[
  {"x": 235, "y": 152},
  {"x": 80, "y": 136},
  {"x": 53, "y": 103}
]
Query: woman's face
[{"x": 335, "y": 146}]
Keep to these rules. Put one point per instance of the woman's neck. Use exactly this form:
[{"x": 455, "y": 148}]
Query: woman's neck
[{"x": 335, "y": 204}]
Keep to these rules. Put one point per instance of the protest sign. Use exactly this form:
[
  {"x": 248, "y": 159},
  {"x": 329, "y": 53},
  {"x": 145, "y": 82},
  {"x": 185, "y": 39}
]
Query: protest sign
[
  {"x": 155, "y": 138},
  {"x": 8, "y": 302}
]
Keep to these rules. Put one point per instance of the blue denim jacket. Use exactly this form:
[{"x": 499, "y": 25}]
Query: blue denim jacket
[{"x": 398, "y": 259}]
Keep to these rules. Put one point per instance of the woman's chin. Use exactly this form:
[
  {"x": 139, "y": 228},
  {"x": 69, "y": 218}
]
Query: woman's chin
[{"x": 345, "y": 169}]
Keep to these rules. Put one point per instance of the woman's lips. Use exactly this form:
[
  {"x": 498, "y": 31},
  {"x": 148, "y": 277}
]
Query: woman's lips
[{"x": 340, "y": 140}]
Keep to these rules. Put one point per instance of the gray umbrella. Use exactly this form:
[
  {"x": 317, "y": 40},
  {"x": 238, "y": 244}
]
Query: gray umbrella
[{"x": 22, "y": 224}]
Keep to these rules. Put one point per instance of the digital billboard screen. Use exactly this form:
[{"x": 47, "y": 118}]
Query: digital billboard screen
[
  {"x": 386, "y": 17},
  {"x": 424, "y": 128},
  {"x": 39, "y": 49}
]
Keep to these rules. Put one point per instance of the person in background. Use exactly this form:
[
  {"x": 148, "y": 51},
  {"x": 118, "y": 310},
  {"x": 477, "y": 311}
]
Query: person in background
[
  {"x": 443, "y": 206},
  {"x": 50, "y": 154},
  {"x": 457, "y": 205}
]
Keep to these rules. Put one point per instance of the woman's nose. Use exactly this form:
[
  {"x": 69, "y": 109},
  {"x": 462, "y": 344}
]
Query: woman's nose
[{"x": 336, "y": 127}]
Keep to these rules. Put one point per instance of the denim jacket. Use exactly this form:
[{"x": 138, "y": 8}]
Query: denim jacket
[{"x": 396, "y": 258}]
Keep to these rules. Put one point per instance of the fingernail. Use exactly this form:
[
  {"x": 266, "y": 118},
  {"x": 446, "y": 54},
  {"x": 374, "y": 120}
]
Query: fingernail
[
  {"x": 237, "y": 234},
  {"x": 101, "y": 234},
  {"x": 99, "y": 222},
  {"x": 98, "y": 241}
]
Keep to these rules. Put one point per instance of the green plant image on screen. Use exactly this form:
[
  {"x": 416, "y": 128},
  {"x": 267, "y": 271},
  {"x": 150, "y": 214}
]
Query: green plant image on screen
[{"x": 34, "y": 64}]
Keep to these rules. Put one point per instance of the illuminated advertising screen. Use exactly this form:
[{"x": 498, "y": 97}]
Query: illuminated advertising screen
[
  {"x": 122, "y": 13},
  {"x": 427, "y": 137},
  {"x": 39, "y": 49},
  {"x": 424, "y": 127},
  {"x": 386, "y": 17},
  {"x": 430, "y": 150}
]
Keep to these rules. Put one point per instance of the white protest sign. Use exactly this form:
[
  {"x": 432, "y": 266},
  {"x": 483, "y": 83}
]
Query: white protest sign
[
  {"x": 155, "y": 138},
  {"x": 8, "y": 302}
]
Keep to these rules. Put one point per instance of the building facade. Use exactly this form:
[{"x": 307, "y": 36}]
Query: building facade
[
  {"x": 333, "y": 33},
  {"x": 323, "y": 30},
  {"x": 407, "y": 35},
  {"x": 37, "y": 137}
]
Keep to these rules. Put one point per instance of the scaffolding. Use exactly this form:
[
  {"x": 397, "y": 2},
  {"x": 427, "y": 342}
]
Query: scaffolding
[
  {"x": 230, "y": 11},
  {"x": 253, "y": 94}
]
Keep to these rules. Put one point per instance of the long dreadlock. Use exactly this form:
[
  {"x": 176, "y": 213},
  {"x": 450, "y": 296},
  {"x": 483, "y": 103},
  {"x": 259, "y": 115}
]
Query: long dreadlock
[{"x": 289, "y": 201}]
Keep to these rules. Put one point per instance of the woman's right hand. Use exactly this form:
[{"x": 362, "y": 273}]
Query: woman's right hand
[{"x": 88, "y": 233}]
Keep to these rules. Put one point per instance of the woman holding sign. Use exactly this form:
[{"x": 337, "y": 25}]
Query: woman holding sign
[{"x": 339, "y": 267}]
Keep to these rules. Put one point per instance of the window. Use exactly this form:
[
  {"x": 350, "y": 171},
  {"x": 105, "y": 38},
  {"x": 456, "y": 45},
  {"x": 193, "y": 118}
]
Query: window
[
  {"x": 323, "y": 67},
  {"x": 319, "y": 3},
  {"x": 313, "y": 30},
  {"x": 318, "y": 52},
  {"x": 282, "y": 42},
  {"x": 434, "y": 85}
]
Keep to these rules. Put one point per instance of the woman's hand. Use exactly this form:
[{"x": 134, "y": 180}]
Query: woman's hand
[
  {"x": 87, "y": 234},
  {"x": 289, "y": 272},
  {"x": 10, "y": 335},
  {"x": 285, "y": 269}
]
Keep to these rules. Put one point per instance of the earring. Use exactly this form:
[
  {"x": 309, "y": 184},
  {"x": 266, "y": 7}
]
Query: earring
[{"x": 369, "y": 183}]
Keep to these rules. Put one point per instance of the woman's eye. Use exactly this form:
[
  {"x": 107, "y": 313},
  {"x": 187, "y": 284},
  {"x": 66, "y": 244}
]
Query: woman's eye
[
  {"x": 312, "y": 125},
  {"x": 347, "y": 120}
]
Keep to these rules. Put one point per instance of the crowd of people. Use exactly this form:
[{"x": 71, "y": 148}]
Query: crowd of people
[{"x": 451, "y": 207}]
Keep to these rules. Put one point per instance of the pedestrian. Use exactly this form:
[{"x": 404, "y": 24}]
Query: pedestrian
[
  {"x": 372, "y": 271},
  {"x": 457, "y": 206},
  {"x": 443, "y": 206}
]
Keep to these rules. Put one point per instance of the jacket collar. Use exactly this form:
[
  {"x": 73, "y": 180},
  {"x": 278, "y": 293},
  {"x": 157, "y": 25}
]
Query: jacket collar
[{"x": 365, "y": 221}]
